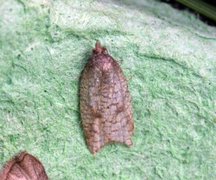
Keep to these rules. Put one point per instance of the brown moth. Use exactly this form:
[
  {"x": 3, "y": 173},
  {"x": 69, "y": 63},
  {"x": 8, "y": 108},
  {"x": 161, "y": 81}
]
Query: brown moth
[
  {"x": 23, "y": 167},
  {"x": 105, "y": 102}
]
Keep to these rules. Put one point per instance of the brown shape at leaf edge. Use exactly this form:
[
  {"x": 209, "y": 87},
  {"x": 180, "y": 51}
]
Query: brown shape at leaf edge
[
  {"x": 105, "y": 102},
  {"x": 23, "y": 166}
]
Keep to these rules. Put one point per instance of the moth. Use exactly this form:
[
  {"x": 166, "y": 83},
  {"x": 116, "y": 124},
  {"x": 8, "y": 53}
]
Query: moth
[
  {"x": 23, "y": 166},
  {"x": 105, "y": 102}
]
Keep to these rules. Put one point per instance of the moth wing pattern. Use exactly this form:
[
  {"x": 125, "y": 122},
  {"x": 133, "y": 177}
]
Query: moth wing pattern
[
  {"x": 23, "y": 166},
  {"x": 105, "y": 102}
]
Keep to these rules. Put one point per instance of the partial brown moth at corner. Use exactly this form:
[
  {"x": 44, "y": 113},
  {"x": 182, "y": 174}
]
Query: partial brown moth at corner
[
  {"x": 105, "y": 102},
  {"x": 23, "y": 167}
]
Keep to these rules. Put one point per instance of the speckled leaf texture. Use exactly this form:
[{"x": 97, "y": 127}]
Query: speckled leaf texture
[
  {"x": 105, "y": 102},
  {"x": 167, "y": 56},
  {"x": 24, "y": 166}
]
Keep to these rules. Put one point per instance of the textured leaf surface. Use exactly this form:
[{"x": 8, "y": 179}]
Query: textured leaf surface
[{"x": 168, "y": 58}]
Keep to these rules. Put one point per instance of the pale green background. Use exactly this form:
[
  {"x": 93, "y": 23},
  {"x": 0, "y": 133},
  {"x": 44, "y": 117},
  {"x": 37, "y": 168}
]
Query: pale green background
[{"x": 168, "y": 57}]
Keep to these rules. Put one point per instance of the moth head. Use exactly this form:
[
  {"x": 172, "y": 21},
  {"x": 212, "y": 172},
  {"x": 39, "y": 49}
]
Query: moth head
[
  {"x": 99, "y": 49},
  {"x": 100, "y": 58}
]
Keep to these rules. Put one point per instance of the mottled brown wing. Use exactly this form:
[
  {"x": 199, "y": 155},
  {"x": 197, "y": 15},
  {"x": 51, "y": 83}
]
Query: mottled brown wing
[
  {"x": 105, "y": 105},
  {"x": 23, "y": 167}
]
